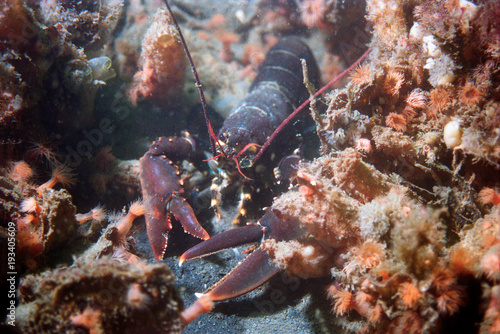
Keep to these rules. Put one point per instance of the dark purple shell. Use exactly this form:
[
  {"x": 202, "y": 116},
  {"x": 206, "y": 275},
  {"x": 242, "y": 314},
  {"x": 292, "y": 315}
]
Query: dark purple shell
[
  {"x": 276, "y": 92},
  {"x": 173, "y": 147},
  {"x": 159, "y": 180}
]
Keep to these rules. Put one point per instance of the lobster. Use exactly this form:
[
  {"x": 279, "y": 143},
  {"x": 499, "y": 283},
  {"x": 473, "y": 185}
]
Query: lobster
[
  {"x": 275, "y": 93},
  {"x": 255, "y": 122}
]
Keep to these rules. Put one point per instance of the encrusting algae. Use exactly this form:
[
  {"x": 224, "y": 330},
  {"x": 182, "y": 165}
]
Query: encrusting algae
[
  {"x": 103, "y": 296},
  {"x": 163, "y": 64},
  {"x": 399, "y": 214},
  {"x": 406, "y": 272}
]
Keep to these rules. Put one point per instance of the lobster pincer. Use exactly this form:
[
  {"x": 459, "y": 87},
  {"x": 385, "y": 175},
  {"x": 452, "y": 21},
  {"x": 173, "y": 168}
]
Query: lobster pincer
[
  {"x": 161, "y": 189},
  {"x": 255, "y": 270}
]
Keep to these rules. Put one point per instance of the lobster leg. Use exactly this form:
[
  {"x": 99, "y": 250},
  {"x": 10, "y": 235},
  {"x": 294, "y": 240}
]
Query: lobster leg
[
  {"x": 245, "y": 196},
  {"x": 184, "y": 213}
]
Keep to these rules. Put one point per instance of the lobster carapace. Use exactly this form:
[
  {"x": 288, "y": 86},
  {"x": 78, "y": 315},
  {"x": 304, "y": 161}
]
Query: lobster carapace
[{"x": 276, "y": 92}]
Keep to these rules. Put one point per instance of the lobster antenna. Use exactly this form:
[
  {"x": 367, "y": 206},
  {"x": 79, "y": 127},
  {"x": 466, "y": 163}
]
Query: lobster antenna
[
  {"x": 306, "y": 102},
  {"x": 213, "y": 137}
]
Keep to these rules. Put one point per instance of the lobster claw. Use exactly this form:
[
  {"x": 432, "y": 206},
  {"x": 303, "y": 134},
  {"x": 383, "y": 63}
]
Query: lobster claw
[
  {"x": 160, "y": 185},
  {"x": 183, "y": 212},
  {"x": 252, "y": 272},
  {"x": 269, "y": 226},
  {"x": 225, "y": 240},
  {"x": 157, "y": 229}
]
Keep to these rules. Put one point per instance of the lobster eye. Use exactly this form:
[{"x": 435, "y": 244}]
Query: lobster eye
[
  {"x": 222, "y": 137},
  {"x": 245, "y": 162}
]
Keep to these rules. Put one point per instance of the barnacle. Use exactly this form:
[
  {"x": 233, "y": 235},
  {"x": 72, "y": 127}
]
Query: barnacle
[
  {"x": 101, "y": 68},
  {"x": 369, "y": 254},
  {"x": 89, "y": 318},
  {"x": 98, "y": 213},
  {"x": 136, "y": 209},
  {"x": 489, "y": 195},
  {"x": 490, "y": 263},
  {"x": 364, "y": 145},
  {"x": 30, "y": 205},
  {"x": 312, "y": 12},
  {"x": 20, "y": 171},
  {"x": 409, "y": 294},
  {"x": 452, "y": 134},
  {"x": 470, "y": 95},
  {"x": 61, "y": 174},
  {"x": 396, "y": 121},
  {"x": 343, "y": 300},
  {"x": 361, "y": 75},
  {"x": 42, "y": 149},
  {"x": 442, "y": 279},
  {"x": 417, "y": 99},
  {"x": 226, "y": 38},
  {"x": 393, "y": 82},
  {"x": 439, "y": 98},
  {"x": 450, "y": 301}
]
